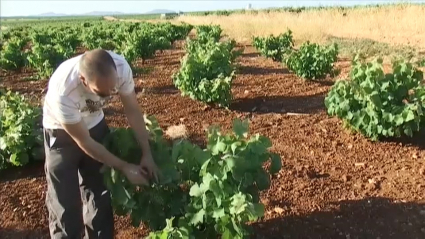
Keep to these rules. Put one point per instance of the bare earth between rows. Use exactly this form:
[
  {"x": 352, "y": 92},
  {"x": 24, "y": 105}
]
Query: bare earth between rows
[{"x": 333, "y": 184}]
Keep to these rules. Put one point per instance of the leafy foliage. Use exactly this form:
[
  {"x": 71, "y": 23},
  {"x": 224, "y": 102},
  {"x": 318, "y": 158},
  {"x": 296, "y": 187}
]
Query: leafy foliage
[
  {"x": 20, "y": 133},
  {"x": 203, "y": 193},
  {"x": 175, "y": 32},
  {"x": 97, "y": 37},
  {"x": 207, "y": 70},
  {"x": 377, "y": 104},
  {"x": 274, "y": 47},
  {"x": 141, "y": 44},
  {"x": 153, "y": 204},
  {"x": 45, "y": 47},
  {"x": 312, "y": 61},
  {"x": 46, "y": 58},
  {"x": 12, "y": 56},
  {"x": 206, "y": 32}
]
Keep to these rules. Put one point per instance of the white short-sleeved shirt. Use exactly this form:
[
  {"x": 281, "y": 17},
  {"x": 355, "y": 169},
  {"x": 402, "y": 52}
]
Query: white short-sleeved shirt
[{"x": 67, "y": 100}]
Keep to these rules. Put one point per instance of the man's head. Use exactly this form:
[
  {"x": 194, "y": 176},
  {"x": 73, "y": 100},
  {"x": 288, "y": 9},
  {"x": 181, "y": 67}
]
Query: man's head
[{"x": 98, "y": 72}]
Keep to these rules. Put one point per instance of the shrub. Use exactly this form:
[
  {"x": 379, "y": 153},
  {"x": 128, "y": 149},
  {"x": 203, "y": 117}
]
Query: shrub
[
  {"x": 206, "y": 32},
  {"x": 207, "y": 71},
  {"x": 274, "y": 47},
  {"x": 312, "y": 61},
  {"x": 20, "y": 133},
  {"x": 203, "y": 193},
  {"x": 377, "y": 104}
]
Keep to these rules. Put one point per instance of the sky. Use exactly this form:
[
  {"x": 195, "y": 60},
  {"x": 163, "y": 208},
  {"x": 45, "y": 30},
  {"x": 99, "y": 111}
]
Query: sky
[{"x": 34, "y": 7}]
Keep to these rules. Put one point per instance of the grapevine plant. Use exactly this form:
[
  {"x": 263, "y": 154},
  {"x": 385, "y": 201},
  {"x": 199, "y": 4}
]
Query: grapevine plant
[
  {"x": 20, "y": 133},
  {"x": 46, "y": 58},
  {"x": 141, "y": 44},
  {"x": 208, "y": 68},
  {"x": 207, "y": 71},
  {"x": 312, "y": 61},
  {"x": 12, "y": 56},
  {"x": 207, "y": 32},
  {"x": 202, "y": 193},
  {"x": 379, "y": 105},
  {"x": 274, "y": 47}
]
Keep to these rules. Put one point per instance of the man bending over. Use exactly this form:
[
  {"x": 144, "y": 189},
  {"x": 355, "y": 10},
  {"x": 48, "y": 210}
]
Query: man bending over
[{"x": 74, "y": 125}]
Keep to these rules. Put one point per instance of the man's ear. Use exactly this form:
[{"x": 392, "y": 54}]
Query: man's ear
[{"x": 82, "y": 79}]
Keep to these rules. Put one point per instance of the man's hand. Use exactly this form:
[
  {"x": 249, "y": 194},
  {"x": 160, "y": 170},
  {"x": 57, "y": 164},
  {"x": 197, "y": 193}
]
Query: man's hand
[
  {"x": 137, "y": 123},
  {"x": 135, "y": 174},
  {"x": 148, "y": 165}
]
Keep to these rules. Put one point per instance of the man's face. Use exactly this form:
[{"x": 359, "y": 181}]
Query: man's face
[{"x": 104, "y": 87}]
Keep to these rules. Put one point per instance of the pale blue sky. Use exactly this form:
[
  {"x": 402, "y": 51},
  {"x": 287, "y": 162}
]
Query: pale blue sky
[{"x": 24, "y": 8}]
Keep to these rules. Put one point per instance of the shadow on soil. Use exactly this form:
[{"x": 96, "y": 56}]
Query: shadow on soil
[
  {"x": 167, "y": 89},
  {"x": 33, "y": 169},
  {"x": 198, "y": 139},
  {"x": 169, "y": 63},
  {"x": 416, "y": 141},
  {"x": 253, "y": 54},
  {"x": 367, "y": 218},
  {"x": 9, "y": 233},
  {"x": 323, "y": 82},
  {"x": 250, "y": 70},
  {"x": 142, "y": 70},
  {"x": 309, "y": 104},
  {"x": 113, "y": 111}
]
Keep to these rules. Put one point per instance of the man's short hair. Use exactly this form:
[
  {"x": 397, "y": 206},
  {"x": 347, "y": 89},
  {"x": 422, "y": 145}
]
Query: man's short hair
[{"x": 96, "y": 64}]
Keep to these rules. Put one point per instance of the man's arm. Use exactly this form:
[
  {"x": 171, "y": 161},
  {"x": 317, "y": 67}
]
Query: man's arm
[
  {"x": 81, "y": 136},
  {"x": 133, "y": 111},
  {"x": 137, "y": 123},
  {"x": 67, "y": 113},
  {"x": 97, "y": 151}
]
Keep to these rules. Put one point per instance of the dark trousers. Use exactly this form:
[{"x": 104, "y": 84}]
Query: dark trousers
[{"x": 76, "y": 195}]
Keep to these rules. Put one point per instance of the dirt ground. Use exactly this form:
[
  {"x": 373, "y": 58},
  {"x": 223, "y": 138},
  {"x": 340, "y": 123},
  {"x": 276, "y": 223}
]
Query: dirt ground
[{"x": 333, "y": 184}]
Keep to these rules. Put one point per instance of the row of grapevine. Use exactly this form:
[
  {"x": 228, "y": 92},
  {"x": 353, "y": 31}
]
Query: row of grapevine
[
  {"x": 208, "y": 68},
  {"x": 43, "y": 48},
  {"x": 373, "y": 103},
  {"x": 310, "y": 61},
  {"x": 203, "y": 192}
]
